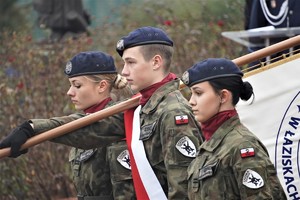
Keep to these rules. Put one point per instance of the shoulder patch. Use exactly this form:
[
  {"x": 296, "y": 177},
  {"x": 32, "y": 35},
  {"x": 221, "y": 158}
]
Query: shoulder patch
[
  {"x": 181, "y": 119},
  {"x": 186, "y": 147},
  {"x": 247, "y": 152},
  {"x": 252, "y": 179},
  {"x": 124, "y": 159}
]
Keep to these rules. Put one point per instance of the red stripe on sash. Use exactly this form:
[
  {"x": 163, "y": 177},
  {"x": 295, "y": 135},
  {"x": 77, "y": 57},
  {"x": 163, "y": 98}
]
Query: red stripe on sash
[{"x": 137, "y": 182}]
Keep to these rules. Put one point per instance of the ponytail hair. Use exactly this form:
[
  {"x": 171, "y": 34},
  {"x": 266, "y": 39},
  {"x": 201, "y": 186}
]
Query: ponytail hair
[
  {"x": 118, "y": 86},
  {"x": 120, "y": 82},
  {"x": 115, "y": 81},
  {"x": 235, "y": 85},
  {"x": 246, "y": 91}
]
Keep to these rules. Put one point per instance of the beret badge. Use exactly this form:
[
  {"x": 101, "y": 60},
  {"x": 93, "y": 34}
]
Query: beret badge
[
  {"x": 68, "y": 68},
  {"x": 185, "y": 78},
  {"x": 120, "y": 45}
]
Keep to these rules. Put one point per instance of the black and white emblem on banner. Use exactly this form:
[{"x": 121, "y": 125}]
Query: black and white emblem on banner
[
  {"x": 186, "y": 147},
  {"x": 124, "y": 159}
]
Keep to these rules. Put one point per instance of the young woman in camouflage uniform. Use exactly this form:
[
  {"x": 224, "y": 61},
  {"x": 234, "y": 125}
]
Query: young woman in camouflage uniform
[
  {"x": 92, "y": 75},
  {"x": 232, "y": 163}
]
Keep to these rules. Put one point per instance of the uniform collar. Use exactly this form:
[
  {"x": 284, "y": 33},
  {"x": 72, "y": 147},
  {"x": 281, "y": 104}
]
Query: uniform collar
[
  {"x": 147, "y": 92},
  {"x": 98, "y": 106},
  {"x": 209, "y": 128},
  {"x": 159, "y": 94},
  {"x": 220, "y": 134}
]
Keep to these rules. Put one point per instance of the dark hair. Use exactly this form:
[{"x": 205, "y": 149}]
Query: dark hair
[{"x": 235, "y": 85}]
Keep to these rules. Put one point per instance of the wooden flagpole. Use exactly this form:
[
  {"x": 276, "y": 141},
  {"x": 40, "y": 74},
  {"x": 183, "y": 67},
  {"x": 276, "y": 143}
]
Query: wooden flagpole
[
  {"x": 76, "y": 124},
  {"x": 256, "y": 55}
]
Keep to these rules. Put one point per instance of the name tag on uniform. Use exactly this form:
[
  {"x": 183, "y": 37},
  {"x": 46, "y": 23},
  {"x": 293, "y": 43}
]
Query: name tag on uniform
[
  {"x": 86, "y": 154},
  {"x": 146, "y": 131},
  {"x": 208, "y": 170}
]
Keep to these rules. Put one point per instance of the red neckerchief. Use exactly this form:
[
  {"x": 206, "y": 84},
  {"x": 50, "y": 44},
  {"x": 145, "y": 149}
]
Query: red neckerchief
[
  {"x": 209, "y": 127},
  {"x": 98, "y": 106},
  {"x": 147, "y": 92}
]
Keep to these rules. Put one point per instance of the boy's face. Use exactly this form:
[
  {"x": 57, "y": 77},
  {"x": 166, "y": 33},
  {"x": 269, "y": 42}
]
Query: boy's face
[{"x": 138, "y": 72}]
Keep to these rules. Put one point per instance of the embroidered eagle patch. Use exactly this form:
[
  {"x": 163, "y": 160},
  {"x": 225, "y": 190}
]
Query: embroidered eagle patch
[
  {"x": 186, "y": 147},
  {"x": 124, "y": 159},
  {"x": 252, "y": 179}
]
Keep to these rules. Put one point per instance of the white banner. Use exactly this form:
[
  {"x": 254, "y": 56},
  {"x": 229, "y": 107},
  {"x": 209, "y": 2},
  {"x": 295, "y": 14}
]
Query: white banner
[{"x": 274, "y": 117}]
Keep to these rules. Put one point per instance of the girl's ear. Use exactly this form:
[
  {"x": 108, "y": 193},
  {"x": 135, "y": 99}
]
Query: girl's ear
[
  {"x": 225, "y": 96},
  {"x": 102, "y": 86}
]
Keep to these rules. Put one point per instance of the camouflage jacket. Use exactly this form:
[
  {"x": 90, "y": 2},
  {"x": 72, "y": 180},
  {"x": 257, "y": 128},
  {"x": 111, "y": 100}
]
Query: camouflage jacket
[
  {"x": 233, "y": 164},
  {"x": 168, "y": 129},
  {"x": 170, "y": 144},
  {"x": 90, "y": 171}
]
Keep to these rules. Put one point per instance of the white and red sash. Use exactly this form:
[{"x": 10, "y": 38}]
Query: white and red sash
[{"x": 145, "y": 181}]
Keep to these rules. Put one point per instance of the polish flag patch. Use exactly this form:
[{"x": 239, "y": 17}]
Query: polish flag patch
[
  {"x": 247, "y": 152},
  {"x": 181, "y": 119}
]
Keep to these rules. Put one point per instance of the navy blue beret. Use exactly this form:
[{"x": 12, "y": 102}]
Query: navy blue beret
[
  {"x": 143, "y": 36},
  {"x": 209, "y": 69},
  {"x": 91, "y": 62}
]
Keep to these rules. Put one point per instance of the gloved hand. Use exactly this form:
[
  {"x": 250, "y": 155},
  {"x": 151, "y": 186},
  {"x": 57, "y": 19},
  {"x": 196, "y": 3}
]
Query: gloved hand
[{"x": 17, "y": 138}]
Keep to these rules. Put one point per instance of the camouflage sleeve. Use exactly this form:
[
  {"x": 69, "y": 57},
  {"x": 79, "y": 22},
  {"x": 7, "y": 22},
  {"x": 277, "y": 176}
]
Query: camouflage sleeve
[
  {"x": 255, "y": 173},
  {"x": 180, "y": 140},
  {"x": 42, "y": 125},
  {"x": 101, "y": 133}
]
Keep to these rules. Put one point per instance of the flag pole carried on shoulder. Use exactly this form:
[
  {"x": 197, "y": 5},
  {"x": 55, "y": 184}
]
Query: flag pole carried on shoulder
[
  {"x": 133, "y": 102},
  {"x": 76, "y": 124}
]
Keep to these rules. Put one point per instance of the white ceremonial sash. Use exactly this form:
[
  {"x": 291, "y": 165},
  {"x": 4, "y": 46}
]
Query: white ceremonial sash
[{"x": 147, "y": 175}]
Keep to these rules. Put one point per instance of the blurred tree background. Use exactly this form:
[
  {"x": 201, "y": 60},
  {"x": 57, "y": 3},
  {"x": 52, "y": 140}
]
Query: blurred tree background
[{"x": 33, "y": 84}]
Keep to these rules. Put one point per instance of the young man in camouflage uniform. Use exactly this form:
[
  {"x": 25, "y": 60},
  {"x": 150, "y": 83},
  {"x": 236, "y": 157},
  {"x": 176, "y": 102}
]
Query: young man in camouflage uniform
[
  {"x": 147, "y": 54},
  {"x": 168, "y": 131}
]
